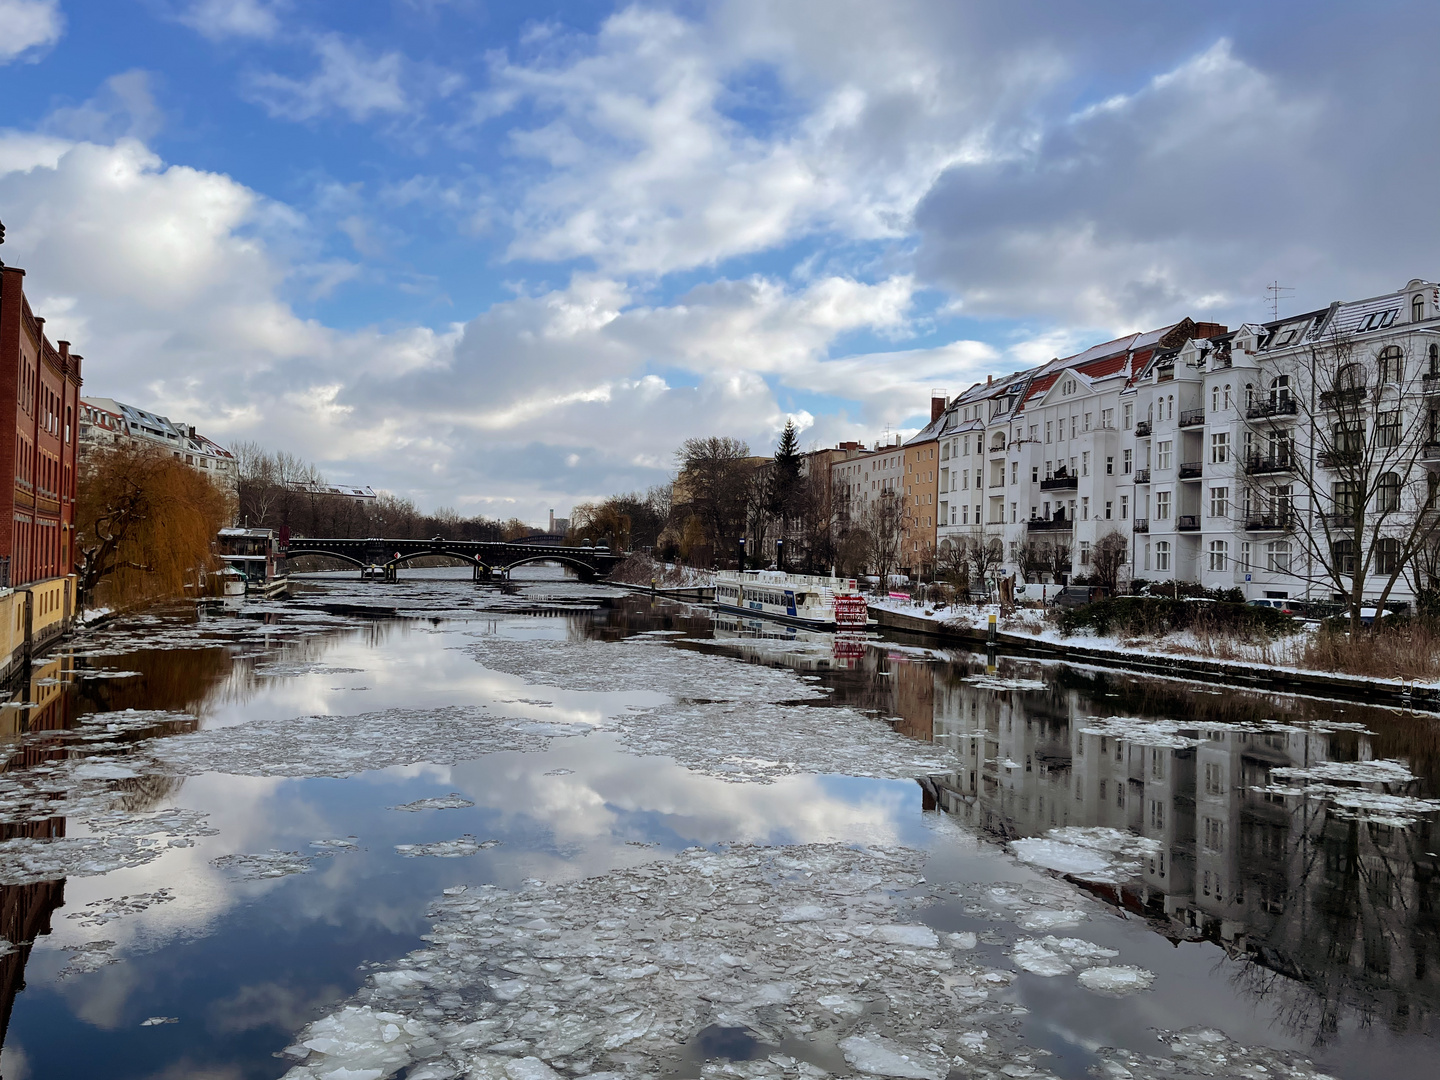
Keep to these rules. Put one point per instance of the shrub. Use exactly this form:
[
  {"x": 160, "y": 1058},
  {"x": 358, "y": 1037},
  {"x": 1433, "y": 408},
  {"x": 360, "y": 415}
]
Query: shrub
[{"x": 1133, "y": 616}]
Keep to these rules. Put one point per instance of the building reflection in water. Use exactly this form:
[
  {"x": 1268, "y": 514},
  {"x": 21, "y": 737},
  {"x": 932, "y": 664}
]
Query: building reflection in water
[{"x": 1307, "y": 895}]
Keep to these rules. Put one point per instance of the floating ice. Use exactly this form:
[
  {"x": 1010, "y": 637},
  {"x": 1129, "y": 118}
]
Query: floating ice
[
  {"x": 1051, "y": 956},
  {"x": 346, "y": 745},
  {"x": 1359, "y": 772},
  {"x": 118, "y": 839},
  {"x": 88, "y": 957},
  {"x": 1089, "y": 853},
  {"x": 1399, "y": 811},
  {"x": 1050, "y": 920},
  {"x": 1116, "y": 981},
  {"x": 965, "y": 939},
  {"x": 276, "y": 864},
  {"x": 607, "y": 975},
  {"x": 102, "y": 770},
  {"x": 279, "y": 669},
  {"x": 995, "y": 682},
  {"x": 453, "y": 801},
  {"x": 1163, "y": 734},
  {"x": 879, "y": 1056},
  {"x": 100, "y": 912},
  {"x": 447, "y": 849},
  {"x": 1204, "y": 1052}
]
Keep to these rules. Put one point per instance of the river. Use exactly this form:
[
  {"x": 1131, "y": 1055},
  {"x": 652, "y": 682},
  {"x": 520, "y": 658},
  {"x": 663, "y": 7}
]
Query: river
[{"x": 436, "y": 829}]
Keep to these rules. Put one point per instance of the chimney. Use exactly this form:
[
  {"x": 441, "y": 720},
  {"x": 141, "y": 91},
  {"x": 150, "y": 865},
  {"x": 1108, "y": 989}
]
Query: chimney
[
  {"x": 937, "y": 404},
  {"x": 989, "y": 379},
  {"x": 552, "y": 522},
  {"x": 64, "y": 347}
]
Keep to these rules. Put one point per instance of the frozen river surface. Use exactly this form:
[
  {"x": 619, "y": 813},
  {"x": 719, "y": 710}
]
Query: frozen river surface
[{"x": 433, "y": 830}]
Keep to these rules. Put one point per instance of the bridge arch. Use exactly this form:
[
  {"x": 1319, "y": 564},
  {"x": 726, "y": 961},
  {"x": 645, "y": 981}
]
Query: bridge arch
[
  {"x": 296, "y": 553},
  {"x": 586, "y": 569},
  {"x": 463, "y": 556}
]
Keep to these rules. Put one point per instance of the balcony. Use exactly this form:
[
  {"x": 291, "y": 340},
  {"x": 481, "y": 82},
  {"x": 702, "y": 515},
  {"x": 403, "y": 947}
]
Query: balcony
[
  {"x": 1340, "y": 520},
  {"x": 1142, "y": 525},
  {"x": 1275, "y": 520},
  {"x": 1339, "y": 459},
  {"x": 1191, "y": 470},
  {"x": 1142, "y": 476},
  {"x": 1278, "y": 408},
  {"x": 1050, "y": 525},
  {"x": 1341, "y": 399},
  {"x": 996, "y": 484},
  {"x": 1430, "y": 384},
  {"x": 1431, "y": 450},
  {"x": 1187, "y": 523},
  {"x": 1060, "y": 483},
  {"x": 1192, "y": 418},
  {"x": 1255, "y": 465},
  {"x": 1165, "y": 374},
  {"x": 1142, "y": 429}
]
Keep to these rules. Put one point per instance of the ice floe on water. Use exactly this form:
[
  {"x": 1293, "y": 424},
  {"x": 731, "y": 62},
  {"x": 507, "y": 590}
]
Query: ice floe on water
[
  {"x": 1358, "y": 772},
  {"x": 639, "y": 664},
  {"x": 1116, "y": 981},
  {"x": 447, "y": 849},
  {"x": 276, "y": 864},
  {"x": 1051, "y": 956},
  {"x": 118, "y": 839},
  {"x": 453, "y": 801},
  {"x": 280, "y": 669},
  {"x": 1203, "y": 1052},
  {"x": 996, "y": 682},
  {"x": 1091, "y": 853},
  {"x": 787, "y": 740},
  {"x": 346, "y": 745},
  {"x": 100, "y": 912},
  {"x": 1162, "y": 734},
  {"x": 609, "y": 975}
]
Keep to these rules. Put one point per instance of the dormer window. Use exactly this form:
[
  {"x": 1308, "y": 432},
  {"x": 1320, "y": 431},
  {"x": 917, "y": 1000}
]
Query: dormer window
[{"x": 1068, "y": 386}]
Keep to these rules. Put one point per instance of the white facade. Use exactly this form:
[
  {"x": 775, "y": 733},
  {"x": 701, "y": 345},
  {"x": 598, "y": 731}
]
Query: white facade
[
  {"x": 106, "y": 422},
  {"x": 864, "y": 478},
  {"x": 1189, "y": 441}
]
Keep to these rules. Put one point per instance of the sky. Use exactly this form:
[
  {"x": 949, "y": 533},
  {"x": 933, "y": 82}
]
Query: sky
[{"x": 505, "y": 257}]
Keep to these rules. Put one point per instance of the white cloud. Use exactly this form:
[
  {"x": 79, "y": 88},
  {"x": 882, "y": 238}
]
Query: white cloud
[
  {"x": 28, "y": 24},
  {"x": 217, "y": 19},
  {"x": 125, "y": 106},
  {"x": 348, "y": 80}
]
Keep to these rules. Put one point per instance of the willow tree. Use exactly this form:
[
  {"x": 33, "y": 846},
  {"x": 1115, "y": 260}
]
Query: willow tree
[{"x": 145, "y": 525}]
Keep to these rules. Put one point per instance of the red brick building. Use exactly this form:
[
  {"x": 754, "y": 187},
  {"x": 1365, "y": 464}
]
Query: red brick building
[{"x": 38, "y": 441}]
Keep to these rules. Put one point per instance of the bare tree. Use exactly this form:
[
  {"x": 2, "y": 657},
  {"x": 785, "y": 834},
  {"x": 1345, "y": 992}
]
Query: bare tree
[
  {"x": 1033, "y": 560},
  {"x": 1366, "y": 500},
  {"x": 884, "y": 521},
  {"x": 952, "y": 565},
  {"x": 715, "y": 474},
  {"x": 1107, "y": 558},
  {"x": 985, "y": 557},
  {"x": 1059, "y": 553}
]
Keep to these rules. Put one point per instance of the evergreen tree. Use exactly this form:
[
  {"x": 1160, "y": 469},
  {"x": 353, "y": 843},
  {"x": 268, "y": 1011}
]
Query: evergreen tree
[{"x": 785, "y": 478}]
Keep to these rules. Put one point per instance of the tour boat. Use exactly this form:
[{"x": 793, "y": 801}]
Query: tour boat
[{"x": 800, "y": 599}]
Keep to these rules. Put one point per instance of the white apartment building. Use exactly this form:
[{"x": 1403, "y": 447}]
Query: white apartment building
[
  {"x": 106, "y": 422},
  {"x": 1214, "y": 452},
  {"x": 859, "y": 480}
]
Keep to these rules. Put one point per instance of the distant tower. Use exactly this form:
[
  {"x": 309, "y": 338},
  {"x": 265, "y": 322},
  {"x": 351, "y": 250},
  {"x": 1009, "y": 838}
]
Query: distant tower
[{"x": 552, "y": 521}]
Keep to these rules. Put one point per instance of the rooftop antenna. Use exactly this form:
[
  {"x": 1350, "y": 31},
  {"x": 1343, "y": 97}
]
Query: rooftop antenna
[{"x": 1276, "y": 290}]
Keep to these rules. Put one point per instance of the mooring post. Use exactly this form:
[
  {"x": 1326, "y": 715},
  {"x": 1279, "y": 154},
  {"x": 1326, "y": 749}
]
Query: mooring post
[{"x": 992, "y": 635}]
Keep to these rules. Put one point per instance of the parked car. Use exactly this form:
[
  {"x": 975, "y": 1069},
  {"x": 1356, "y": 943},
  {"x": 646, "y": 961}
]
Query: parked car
[
  {"x": 1288, "y": 607},
  {"x": 1075, "y": 595}
]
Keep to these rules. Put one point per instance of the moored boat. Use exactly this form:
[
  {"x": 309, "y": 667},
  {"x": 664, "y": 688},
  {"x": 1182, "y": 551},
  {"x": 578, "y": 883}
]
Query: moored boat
[{"x": 800, "y": 599}]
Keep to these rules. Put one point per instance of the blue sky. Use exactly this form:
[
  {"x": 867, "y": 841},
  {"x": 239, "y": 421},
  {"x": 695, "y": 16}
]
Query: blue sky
[{"x": 504, "y": 257}]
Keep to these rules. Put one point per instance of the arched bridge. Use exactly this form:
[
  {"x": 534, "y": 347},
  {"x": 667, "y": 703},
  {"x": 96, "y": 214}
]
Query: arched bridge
[{"x": 488, "y": 556}]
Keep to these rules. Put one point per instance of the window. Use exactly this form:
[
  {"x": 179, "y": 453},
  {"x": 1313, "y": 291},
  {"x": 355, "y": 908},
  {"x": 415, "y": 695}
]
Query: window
[
  {"x": 1433, "y": 353},
  {"x": 1127, "y": 460},
  {"x": 1215, "y": 399},
  {"x": 1147, "y": 555},
  {"x": 1387, "y": 556},
  {"x": 1109, "y": 508},
  {"x": 1345, "y": 495},
  {"x": 1164, "y": 452},
  {"x": 1084, "y": 552},
  {"x": 1245, "y": 556},
  {"x": 1387, "y": 493},
  {"x": 1350, "y": 377},
  {"x": 1214, "y": 834},
  {"x": 1162, "y": 555},
  {"x": 1387, "y": 428},
  {"x": 1124, "y": 507},
  {"x": 1214, "y": 778},
  {"x": 1227, "y": 395},
  {"x": 1129, "y": 413},
  {"x": 1014, "y": 473},
  {"x": 1417, "y": 307},
  {"x": 1391, "y": 365},
  {"x": 1085, "y": 463},
  {"x": 1219, "y": 502},
  {"x": 1109, "y": 464},
  {"x": 1107, "y": 418},
  {"x": 1034, "y": 474},
  {"x": 1049, "y": 425},
  {"x": 1162, "y": 506},
  {"x": 1012, "y": 513},
  {"x": 1087, "y": 421},
  {"x": 1085, "y": 508},
  {"x": 1068, "y": 386},
  {"x": 1219, "y": 556},
  {"x": 1074, "y": 426},
  {"x": 1220, "y": 447},
  {"x": 1280, "y": 390},
  {"x": 1157, "y": 814},
  {"x": 1277, "y": 556}
]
